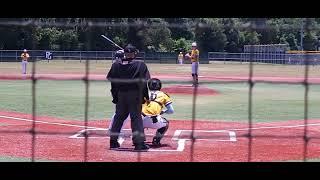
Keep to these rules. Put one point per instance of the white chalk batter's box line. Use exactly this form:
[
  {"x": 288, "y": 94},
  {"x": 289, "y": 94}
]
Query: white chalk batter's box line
[
  {"x": 230, "y": 134},
  {"x": 180, "y": 141},
  {"x": 79, "y": 134}
]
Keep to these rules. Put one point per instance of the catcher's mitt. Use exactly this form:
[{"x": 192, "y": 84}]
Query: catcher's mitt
[{"x": 187, "y": 56}]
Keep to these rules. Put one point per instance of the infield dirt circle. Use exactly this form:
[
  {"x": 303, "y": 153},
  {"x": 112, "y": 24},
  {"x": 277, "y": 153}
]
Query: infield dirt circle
[{"x": 189, "y": 89}]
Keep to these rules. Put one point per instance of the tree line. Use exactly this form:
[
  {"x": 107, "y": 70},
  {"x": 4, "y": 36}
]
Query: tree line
[{"x": 158, "y": 34}]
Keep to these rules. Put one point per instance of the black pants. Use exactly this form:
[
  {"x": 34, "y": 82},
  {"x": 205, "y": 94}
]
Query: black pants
[{"x": 129, "y": 102}]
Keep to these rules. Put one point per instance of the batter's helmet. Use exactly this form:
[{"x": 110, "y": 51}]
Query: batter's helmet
[
  {"x": 119, "y": 54},
  {"x": 154, "y": 84}
]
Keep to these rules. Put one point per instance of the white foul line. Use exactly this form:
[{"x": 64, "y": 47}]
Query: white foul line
[
  {"x": 77, "y": 134},
  {"x": 63, "y": 124},
  {"x": 232, "y": 135},
  {"x": 53, "y": 123},
  {"x": 177, "y": 131},
  {"x": 272, "y": 127},
  {"x": 181, "y": 142}
]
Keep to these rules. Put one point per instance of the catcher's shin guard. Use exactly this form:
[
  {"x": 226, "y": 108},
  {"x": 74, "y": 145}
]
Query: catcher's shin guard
[{"x": 159, "y": 135}]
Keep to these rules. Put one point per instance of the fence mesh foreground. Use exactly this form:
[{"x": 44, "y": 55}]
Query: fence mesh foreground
[{"x": 34, "y": 79}]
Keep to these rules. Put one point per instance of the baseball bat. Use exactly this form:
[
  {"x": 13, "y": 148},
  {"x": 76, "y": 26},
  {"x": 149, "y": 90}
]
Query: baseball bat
[{"x": 111, "y": 41}]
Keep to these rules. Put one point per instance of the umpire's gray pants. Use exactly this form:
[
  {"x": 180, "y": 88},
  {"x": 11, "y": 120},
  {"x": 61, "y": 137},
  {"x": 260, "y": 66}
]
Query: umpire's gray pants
[{"x": 129, "y": 102}]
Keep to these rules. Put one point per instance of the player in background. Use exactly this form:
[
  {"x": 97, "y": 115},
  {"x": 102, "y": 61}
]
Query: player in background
[
  {"x": 24, "y": 57},
  {"x": 180, "y": 58},
  {"x": 194, "y": 56}
]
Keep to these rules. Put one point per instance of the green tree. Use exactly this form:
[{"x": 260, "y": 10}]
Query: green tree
[
  {"x": 249, "y": 37},
  {"x": 310, "y": 38},
  {"x": 135, "y": 34},
  {"x": 209, "y": 34},
  {"x": 232, "y": 34},
  {"x": 182, "y": 45},
  {"x": 68, "y": 40},
  {"x": 158, "y": 35},
  {"x": 47, "y": 38},
  {"x": 180, "y": 28}
]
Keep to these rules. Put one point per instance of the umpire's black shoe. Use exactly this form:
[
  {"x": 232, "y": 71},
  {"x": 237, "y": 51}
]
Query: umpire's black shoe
[
  {"x": 141, "y": 147},
  {"x": 156, "y": 142},
  {"x": 114, "y": 144}
]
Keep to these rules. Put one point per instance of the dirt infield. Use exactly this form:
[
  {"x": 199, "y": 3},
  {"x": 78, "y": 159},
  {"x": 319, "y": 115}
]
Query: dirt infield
[
  {"x": 215, "y": 140},
  {"x": 188, "y": 89},
  {"x": 102, "y": 77},
  {"x": 63, "y": 140}
]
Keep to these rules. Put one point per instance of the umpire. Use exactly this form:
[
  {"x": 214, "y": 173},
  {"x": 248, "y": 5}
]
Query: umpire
[{"x": 129, "y": 91}]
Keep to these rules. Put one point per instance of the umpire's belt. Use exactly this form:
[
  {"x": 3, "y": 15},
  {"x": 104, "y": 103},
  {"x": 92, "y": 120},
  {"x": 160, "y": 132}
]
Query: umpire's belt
[{"x": 127, "y": 90}]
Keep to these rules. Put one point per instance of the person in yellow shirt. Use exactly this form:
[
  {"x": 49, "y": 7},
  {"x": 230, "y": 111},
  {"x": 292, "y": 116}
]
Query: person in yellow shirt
[
  {"x": 159, "y": 103},
  {"x": 24, "y": 57},
  {"x": 194, "y": 63},
  {"x": 180, "y": 58}
]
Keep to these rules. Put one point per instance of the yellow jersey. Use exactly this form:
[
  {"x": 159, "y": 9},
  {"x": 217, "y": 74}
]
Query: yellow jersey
[
  {"x": 195, "y": 55},
  {"x": 157, "y": 101},
  {"x": 25, "y": 56}
]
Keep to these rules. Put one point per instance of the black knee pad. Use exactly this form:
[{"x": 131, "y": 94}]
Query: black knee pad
[
  {"x": 164, "y": 129},
  {"x": 192, "y": 75}
]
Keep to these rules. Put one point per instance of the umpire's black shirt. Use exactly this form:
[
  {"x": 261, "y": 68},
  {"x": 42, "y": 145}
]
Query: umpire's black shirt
[{"x": 132, "y": 70}]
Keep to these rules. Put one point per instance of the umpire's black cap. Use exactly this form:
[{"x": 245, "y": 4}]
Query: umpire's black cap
[
  {"x": 130, "y": 52},
  {"x": 130, "y": 49}
]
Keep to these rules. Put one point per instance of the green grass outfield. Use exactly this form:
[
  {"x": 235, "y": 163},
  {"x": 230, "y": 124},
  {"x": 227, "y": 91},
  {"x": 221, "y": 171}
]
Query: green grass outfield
[
  {"x": 20, "y": 159},
  {"x": 214, "y": 69},
  {"x": 66, "y": 99}
]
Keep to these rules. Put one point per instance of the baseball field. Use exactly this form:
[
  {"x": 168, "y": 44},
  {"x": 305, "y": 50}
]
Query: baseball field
[{"x": 277, "y": 119}]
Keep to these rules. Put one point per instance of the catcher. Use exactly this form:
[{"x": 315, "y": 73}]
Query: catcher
[{"x": 159, "y": 103}]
